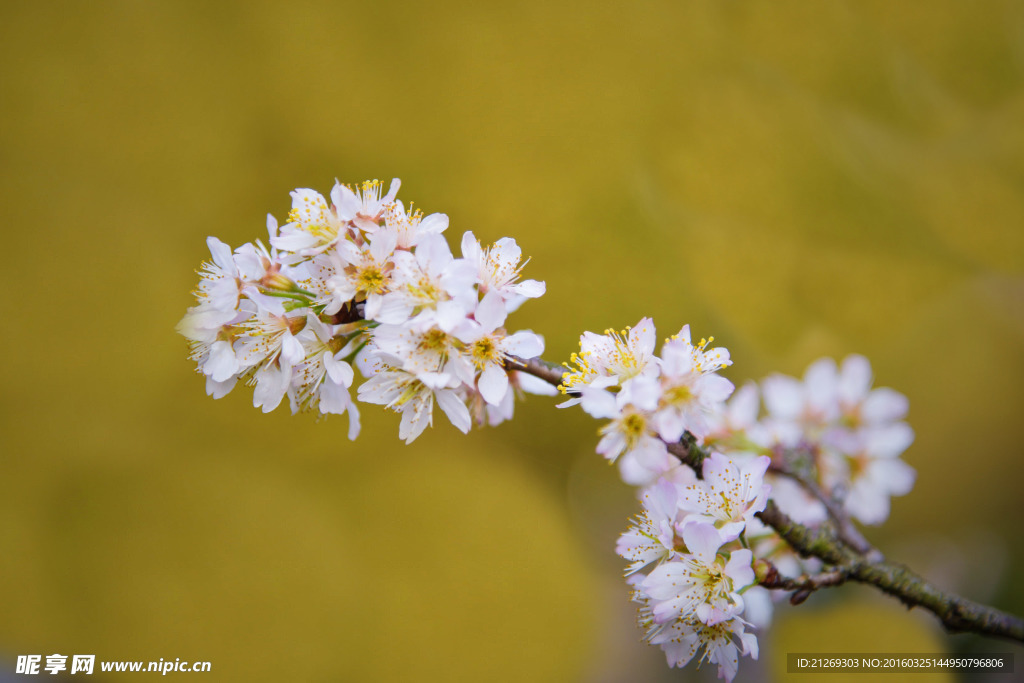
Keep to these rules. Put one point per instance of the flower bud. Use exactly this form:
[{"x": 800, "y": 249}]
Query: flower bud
[
  {"x": 765, "y": 572},
  {"x": 275, "y": 281}
]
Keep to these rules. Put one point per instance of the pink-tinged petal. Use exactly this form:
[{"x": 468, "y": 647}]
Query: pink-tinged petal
[
  {"x": 653, "y": 454},
  {"x": 720, "y": 473},
  {"x": 694, "y": 498},
  {"x": 468, "y": 331},
  {"x": 294, "y": 240},
  {"x": 471, "y": 248},
  {"x": 898, "y": 476},
  {"x": 534, "y": 385},
  {"x": 783, "y": 396},
  {"x": 531, "y": 289},
  {"x": 821, "y": 382},
  {"x": 524, "y": 344},
  {"x": 670, "y": 425},
  {"x": 200, "y": 324},
  {"x": 716, "y": 614},
  {"x": 271, "y": 383},
  {"x": 744, "y": 406},
  {"x": 755, "y": 469},
  {"x": 373, "y": 306},
  {"x": 463, "y": 369},
  {"x": 512, "y": 300},
  {"x": 749, "y": 642},
  {"x": 392, "y": 191},
  {"x": 387, "y": 309},
  {"x": 437, "y": 380},
  {"x": 715, "y": 388},
  {"x": 433, "y": 224},
  {"x": 319, "y": 328},
  {"x": 661, "y": 499},
  {"x": 728, "y": 663},
  {"x": 598, "y": 403},
  {"x": 642, "y": 392},
  {"x": 222, "y": 363},
  {"x": 676, "y": 358},
  {"x": 604, "y": 382},
  {"x": 702, "y": 540},
  {"x": 493, "y": 384},
  {"x": 854, "y": 379},
  {"x": 730, "y": 531},
  {"x": 503, "y": 411},
  {"x": 642, "y": 471},
  {"x": 271, "y": 227},
  {"x": 349, "y": 254},
  {"x": 221, "y": 254},
  {"x": 757, "y": 609},
  {"x": 304, "y": 197},
  {"x": 739, "y": 568},
  {"x": 506, "y": 250},
  {"x": 490, "y": 313},
  {"x": 455, "y": 409},
  {"x": 338, "y": 370},
  {"x": 433, "y": 254},
  {"x": 611, "y": 445},
  {"x": 291, "y": 349},
  {"x": 867, "y": 503},
  {"x": 679, "y": 650},
  {"x": 353, "y": 422},
  {"x": 458, "y": 279},
  {"x": 382, "y": 245},
  {"x": 219, "y": 389},
  {"x": 889, "y": 441},
  {"x": 681, "y": 475},
  {"x": 345, "y": 202},
  {"x": 334, "y": 398},
  {"x": 706, "y": 614},
  {"x": 407, "y": 268},
  {"x": 449, "y": 315},
  {"x": 415, "y": 419},
  {"x": 643, "y": 337},
  {"x": 684, "y": 334},
  {"x": 884, "y": 405},
  {"x": 664, "y": 580}
]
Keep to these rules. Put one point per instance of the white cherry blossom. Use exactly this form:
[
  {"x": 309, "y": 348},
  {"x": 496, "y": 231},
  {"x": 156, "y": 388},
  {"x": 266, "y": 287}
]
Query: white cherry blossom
[
  {"x": 701, "y": 584},
  {"x": 411, "y": 228},
  {"x": 413, "y": 396},
  {"x": 498, "y": 269},
  {"x": 488, "y": 347},
  {"x": 312, "y": 225},
  {"x": 612, "y": 358},
  {"x": 691, "y": 391},
  {"x": 363, "y": 205},
  {"x": 652, "y": 537},
  {"x": 720, "y": 644},
  {"x": 730, "y": 493}
]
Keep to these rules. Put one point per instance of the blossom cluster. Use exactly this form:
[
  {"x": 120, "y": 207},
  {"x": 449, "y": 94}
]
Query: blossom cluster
[
  {"x": 833, "y": 430},
  {"x": 694, "y": 548},
  {"x": 360, "y": 282}
]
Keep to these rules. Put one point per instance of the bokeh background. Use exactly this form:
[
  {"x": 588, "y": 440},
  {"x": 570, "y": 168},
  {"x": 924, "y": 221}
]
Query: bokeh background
[{"x": 797, "y": 179}]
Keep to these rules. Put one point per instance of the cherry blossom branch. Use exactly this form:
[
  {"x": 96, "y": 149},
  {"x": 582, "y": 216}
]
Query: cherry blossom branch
[
  {"x": 957, "y": 614},
  {"x": 841, "y": 546},
  {"x": 549, "y": 372}
]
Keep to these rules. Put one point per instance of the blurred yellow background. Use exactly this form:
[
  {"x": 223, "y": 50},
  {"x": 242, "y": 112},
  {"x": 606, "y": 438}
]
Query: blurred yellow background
[{"x": 798, "y": 179}]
